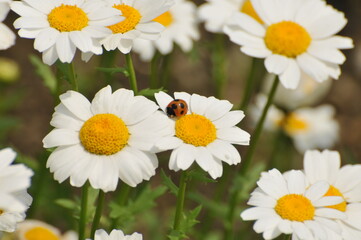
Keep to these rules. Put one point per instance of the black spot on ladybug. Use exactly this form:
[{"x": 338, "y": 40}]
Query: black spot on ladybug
[
  {"x": 174, "y": 106},
  {"x": 182, "y": 112}
]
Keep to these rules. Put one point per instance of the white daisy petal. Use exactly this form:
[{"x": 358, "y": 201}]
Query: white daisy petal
[
  {"x": 61, "y": 137},
  {"x": 234, "y": 135}
]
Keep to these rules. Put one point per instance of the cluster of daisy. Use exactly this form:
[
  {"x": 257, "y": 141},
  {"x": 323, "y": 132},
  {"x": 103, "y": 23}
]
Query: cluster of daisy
[
  {"x": 322, "y": 201},
  {"x": 61, "y": 27},
  {"x": 117, "y": 135},
  {"x": 15, "y": 179}
]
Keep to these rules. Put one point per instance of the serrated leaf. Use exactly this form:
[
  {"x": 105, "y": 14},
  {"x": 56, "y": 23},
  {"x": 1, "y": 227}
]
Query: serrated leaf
[
  {"x": 244, "y": 184},
  {"x": 44, "y": 71},
  {"x": 200, "y": 176},
  {"x": 9, "y": 101},
  {"x": 191, "y": 219},
  {"x": 148, "y": 92},
  {"x": 67, "y": 203},
  {"x": 63, "y": 72},
  {"x": 144, "y": 202},
  {"x": 169, "y": 183},
  {"x": 217, "y": 208},
  {"x": 114, "y": 70}
]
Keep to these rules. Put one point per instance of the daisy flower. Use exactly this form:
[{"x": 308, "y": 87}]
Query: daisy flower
[
  {"x": 216, "y": 13},
  {"x": 344, "y": 182},
  {"x": 7, "y": 37},
  {"x": 180, "y": 28},
  {"x": 309, "y": 92},
  {"x": 312, "y": 128},
  {"x": 286, "y": 204},
  {"x": 308, "y": 127},
  {"x": 34, "y": 229},
  {"x": 296, "y": 35},
  {"x": 10, "y": 219},
  {"x": 100, "y": 234},
  {"x": 204, "y": 135},
  {"x": 14, "y": 179},
  {"x": 106, "y": 139},
  {"x": 59, "y": 27},
  {"x": 138, "y": 22}
]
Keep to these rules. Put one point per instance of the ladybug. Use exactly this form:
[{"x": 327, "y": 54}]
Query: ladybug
[{"x": 177, "y": 108}]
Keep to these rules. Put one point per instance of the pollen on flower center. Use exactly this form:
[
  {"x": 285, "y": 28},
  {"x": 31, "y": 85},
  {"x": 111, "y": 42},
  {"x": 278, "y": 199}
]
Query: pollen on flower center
[
  {"x": 248, "y": 9},
  {"x": 132, "y": 18},
  {"x": 40, "y": 233},
  {"x": 104, "y": 134},
  {"x": 165, "y": 19},
  {"x": 293, "y": 124},
  {"x": 287, "y": 38},
  {"x": 332, "y": 191},
  {"x": 295, "y": 207},
  {"x": 195, "y": 129},
  {"x": 66, "y": 18}
]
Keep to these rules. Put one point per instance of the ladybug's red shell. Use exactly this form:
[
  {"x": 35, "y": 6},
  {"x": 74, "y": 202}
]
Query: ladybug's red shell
[{"x": 177, "y": 108}]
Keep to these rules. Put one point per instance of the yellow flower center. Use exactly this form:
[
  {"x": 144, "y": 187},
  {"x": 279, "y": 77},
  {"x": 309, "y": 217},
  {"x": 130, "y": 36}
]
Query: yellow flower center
[
  {"x": 293, "y": 124},
  {"x": 40, "y": 233},
  {"x": 195, "y": 129},
  {"x": 66, "y": 18},
  {"x": 248, "y": 9},
  {"x": 332, "y": 191},
  {"x": 132, "y": 18},
  {"x": 165, "y": 19},
  {"x": 295, "y": 207},
  {"x": 287, "y": 38},
  {"x": 104, "y": 134},
  {"x": 1, "y": 211}
]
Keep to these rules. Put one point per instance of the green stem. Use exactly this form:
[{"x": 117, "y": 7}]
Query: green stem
[
  {"x": 247, "y": 160},
  {"x": 219, "y": 64},
  {"x": 154, "y": 67},
  {"x": 83, "y": 211},
  {"x": 248, "y": 89},
  {"x": 180, "y": 200},
  {"x": 98, "y": 213},
  {"x": 132, "y": 76},
  {"x": 72, "y": 76},
  {"x": 257, "y": 132}
]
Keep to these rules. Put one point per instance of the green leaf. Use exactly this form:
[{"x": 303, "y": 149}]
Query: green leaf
[
  {"x": 200, "y": 176},
  {"x": 45, "y": 72},
  {"x": 191, "y": 219},
  {"x": 66, "y": 203},
  {"x": 169, "y": 183},
  {"x": 6, "y": 124},
  {"x": 147, "y": 92},
  {"x": 248, "y": 181},
  {"x": 187, "y": 223},
  {"x": 216, "y": 207},
  {"x": 114, "y": 70},
  {"x": 63, "y": 72},
  {"x": 10, "y": 101},
  {"x": 144, "y": 202}
]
